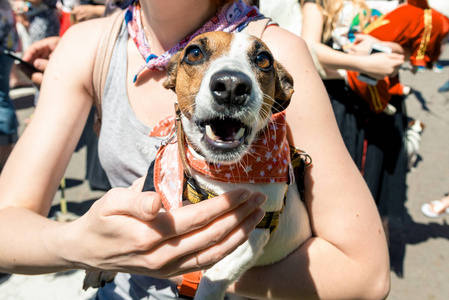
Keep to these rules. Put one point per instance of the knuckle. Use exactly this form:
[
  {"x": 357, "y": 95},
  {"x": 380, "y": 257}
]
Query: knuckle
[
  {"x": 155, "y": 263},
  {"x": 217, "y": 255},
  {"x": 143, "y": 240},
  {"x": 201, "y": 219},
  {"x": 216, "y": 233},
  {"x": 141, "y": 245}
]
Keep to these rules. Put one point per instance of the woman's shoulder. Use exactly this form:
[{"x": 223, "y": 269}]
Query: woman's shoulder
[
  {"x": 77, "y": 51},
  {"x": 90, "y": 30},
  {"x": 83, "y": 39},
  {"x": 283, "y": 43}
]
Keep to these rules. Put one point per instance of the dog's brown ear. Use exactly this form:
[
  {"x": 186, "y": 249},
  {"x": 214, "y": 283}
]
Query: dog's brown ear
[
  {"x": 284, "y": 89},
  {"x": 172, "y": 71}
]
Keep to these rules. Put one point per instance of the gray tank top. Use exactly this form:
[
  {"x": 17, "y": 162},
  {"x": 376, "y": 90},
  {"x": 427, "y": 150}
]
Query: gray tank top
[{"x": 125, "y": 149}]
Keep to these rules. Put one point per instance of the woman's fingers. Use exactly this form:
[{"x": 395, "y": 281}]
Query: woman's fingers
[
  {"x": 143, "y": 206},
  {"x": 41, "y": 49},
  {"x": 41, "y": 64},
  {"x": 138, "y": 184},
  {"x": 207, "y": 257},
  {"x": 223, "y": 234},
  {"x": 188, "y": 218},
  {"x": 383, "y": 64},
  {"x": 37, "y": 78},
  {"x": 38, "y": 54},
  {"x": 198, "y": 249}
]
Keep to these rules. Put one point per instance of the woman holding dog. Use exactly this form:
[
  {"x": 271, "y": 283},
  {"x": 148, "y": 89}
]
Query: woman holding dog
[{"x": 347, "y": 257}]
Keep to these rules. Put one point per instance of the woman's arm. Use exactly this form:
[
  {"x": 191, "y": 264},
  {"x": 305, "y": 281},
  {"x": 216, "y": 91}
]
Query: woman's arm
[
  {"x": 377, "y": 65},
  {"x": 123, "y": 230},
  {"x": 348, "y": 256}
]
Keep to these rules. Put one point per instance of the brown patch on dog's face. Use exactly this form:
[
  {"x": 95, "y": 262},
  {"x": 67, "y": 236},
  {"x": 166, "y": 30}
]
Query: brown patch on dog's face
[
  {"x": 264, "y": 69},
  {"x": 269, "y": 71},
  {"x": 191, "y": 65}
]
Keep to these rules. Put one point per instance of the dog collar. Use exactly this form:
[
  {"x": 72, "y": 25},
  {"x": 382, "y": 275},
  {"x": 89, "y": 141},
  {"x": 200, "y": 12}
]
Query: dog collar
[
  {"x": 233, "y": 17},
  {"x": 195, "y": 194}
]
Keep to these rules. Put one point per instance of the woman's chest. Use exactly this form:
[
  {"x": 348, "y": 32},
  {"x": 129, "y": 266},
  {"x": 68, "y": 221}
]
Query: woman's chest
[{"x": 149, "y": 100}]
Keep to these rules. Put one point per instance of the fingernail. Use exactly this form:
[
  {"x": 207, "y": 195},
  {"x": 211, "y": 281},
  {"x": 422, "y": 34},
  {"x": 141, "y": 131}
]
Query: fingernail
[
  {"x": 245, "y": 196},
  {"x": 149, "y": 203}
]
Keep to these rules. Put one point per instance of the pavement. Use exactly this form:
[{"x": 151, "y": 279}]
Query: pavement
[{"x": 419, "y": 246}]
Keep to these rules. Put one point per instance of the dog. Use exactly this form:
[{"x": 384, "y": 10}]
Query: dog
[{"x": 231, "y": 96}]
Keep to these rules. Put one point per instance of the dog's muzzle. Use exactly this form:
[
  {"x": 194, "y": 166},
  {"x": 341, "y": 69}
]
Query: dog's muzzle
[{"x": 231, "y": 91}]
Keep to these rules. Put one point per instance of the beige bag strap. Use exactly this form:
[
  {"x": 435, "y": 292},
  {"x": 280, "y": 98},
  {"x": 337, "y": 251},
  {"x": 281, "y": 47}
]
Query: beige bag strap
[
  {"x": 257, "y": 27},
  {"x": 102, "y": 60}
]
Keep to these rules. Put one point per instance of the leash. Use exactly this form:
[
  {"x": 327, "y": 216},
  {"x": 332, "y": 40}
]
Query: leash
[{"x": 190, "y": 281}]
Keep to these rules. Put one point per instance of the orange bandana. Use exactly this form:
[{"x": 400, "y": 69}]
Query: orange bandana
[{"x": 268, "y": 161}]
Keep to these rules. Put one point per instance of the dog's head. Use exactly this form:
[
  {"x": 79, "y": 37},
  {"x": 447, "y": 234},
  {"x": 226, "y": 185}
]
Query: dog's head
[{"x": 227, "y": 85}]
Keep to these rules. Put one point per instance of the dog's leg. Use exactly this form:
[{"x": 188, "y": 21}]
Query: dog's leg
[
  {"x": 97, "y": 279},
  {"x": 216, "y": 280}
]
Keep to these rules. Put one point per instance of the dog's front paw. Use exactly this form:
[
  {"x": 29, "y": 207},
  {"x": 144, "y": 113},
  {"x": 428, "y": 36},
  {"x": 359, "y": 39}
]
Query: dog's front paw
[
  {"x": 97, "y": 279},
  {"x": 211, "y": 290},
  {"x": 209, "y": 295}
]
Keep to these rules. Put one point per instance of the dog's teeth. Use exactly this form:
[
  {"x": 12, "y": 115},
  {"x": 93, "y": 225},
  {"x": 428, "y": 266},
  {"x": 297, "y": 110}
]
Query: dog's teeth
[
  {"x": 240, "y": 134},
  {"x": 210, "y": 133}
]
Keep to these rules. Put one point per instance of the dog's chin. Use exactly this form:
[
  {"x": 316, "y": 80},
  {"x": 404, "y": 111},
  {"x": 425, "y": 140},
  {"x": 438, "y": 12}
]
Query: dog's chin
[{"x": 223, "y": 140}]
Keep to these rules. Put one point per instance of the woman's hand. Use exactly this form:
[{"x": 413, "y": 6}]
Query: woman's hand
[
  {"x": 362, "y": 44},
  {"x": 38, "y": 55},
  {"x": 379, "y": 65},
  {"x": 125, "y": 232}
]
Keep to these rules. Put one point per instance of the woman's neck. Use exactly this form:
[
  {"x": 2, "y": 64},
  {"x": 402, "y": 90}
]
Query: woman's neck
[{"x": 168, "y": 22}]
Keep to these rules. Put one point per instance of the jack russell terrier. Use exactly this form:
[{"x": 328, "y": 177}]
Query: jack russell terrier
[{"x": 231, "y": 132}]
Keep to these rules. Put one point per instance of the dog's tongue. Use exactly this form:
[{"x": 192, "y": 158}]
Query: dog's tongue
[{"x": 225, "y": 134}]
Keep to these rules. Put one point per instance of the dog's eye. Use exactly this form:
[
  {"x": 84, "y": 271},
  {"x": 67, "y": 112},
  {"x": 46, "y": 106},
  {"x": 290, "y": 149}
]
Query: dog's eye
[
  {"x": 194, "y": 54},
  {"x": 263, "y": 61}
]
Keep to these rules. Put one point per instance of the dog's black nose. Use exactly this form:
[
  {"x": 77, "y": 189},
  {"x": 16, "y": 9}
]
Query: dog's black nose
[{"x": 230, "y": 87}]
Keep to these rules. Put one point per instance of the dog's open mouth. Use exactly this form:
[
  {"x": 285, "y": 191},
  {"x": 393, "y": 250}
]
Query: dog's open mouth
[{"x": 226, "y": 133}]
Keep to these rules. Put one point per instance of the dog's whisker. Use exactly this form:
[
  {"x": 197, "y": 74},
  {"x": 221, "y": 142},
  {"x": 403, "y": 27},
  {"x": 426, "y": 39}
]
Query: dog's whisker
[
  {"x": 276, "y": 110},
  {"x": 238, "y": 169},
  {"x": 274, "y": 124},
  {"x": 242, "y": 166},
  {"x": 186, "y": 98},
  {"x": 258, "y": 148},
  {"x": 190, "y": 106}
]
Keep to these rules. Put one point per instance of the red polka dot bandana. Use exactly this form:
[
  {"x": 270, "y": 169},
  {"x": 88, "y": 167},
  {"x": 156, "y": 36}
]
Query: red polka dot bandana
[{"x": 268, "y": 161}]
